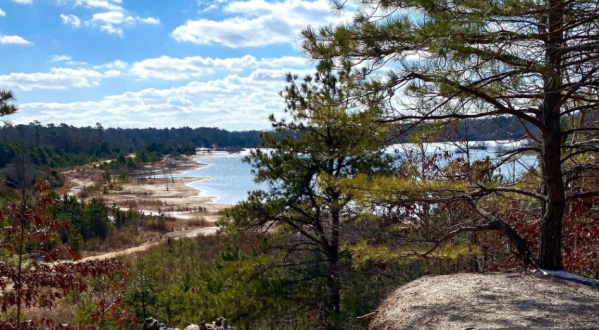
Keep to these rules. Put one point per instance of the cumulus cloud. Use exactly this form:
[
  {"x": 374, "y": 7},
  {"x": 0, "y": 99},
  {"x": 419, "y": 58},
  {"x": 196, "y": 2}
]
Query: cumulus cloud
[
  {"x": 111, "y": 17},
  {"x": 232, "y": 102},
  {"x": 76, "y": 63},
  {"x": 111, "y": 29},
  {"x": 2, "y": 13},
  {"x": 23, "y": 2},
  {"x": 117, "y": 64},
  {"x": 257, "y": 23},
  {"x": 149, "y": 20},
  {"x": 70, "y": 20},
  {"x": 112, "y": 21},
  {"x": 66, "y": 59},
  {"x": 57, "y": 78},
  {"x": 15, "y": 40},
  {"x": 113, "y": 5},
  {"x": 169, "y": 68},
  {"x": 60, "y": 58},
  {"x": 285, "y": 61}
]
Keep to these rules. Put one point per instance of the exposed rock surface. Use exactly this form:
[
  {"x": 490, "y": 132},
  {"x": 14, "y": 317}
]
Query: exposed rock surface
[{"x": 490, "y": 301}]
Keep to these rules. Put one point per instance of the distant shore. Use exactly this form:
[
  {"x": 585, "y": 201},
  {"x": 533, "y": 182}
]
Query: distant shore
[{"x": 155, "y": 193}]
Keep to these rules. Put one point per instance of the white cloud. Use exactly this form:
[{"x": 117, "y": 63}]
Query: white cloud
[
  {"x": 60, "y": 58},
  {"x": 2, "y": 13},
  {"x": 149, "y": 20},
  {"x": 169, "y": 68},
  {"x": 23, "y": 2},
  {"x": 233, "y": 102},
  {"x": 15, "y": 40},
  {"x": 57, "y": 78},
  {"x": 76, "y": 63},
  {"x": 118, "y": 64},
  {"x": 67, "y": 59},
  {"x": 111, "y": 29},
  {"x": 111, "y": 21},
  {"x": 113, "y": 5},
  {"x": 258, "y": 23},
  {"x": 71, "y": 20},
  {"x": 285, "y": 61},
  {"x": 234, "y": 32}
]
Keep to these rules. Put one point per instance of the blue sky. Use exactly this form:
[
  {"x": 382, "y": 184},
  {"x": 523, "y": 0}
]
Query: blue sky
[{"x": 153, "y": 63}]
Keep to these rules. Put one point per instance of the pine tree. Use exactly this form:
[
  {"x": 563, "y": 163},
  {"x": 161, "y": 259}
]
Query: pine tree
[
  {"x": 328, "y": 135},
  {"x": 535, "y": 61},
  {"x": 6, "y": 98}
]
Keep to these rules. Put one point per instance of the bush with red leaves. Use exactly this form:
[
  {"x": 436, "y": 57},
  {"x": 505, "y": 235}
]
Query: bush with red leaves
[{"x": 38, "y": 279}]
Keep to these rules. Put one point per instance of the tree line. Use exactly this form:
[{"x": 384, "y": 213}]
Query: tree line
[
  {"x": 98, "y": 141},
  {"x": 80, "y": 140}
]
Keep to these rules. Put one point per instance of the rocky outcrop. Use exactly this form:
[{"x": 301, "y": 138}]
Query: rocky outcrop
[
  {"x": 490, "y": 301},
  {"x": 219, "y": 324}
]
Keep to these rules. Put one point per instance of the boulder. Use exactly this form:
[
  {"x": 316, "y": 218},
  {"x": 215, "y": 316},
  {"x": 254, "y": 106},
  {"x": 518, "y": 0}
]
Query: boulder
[
  {"x": 490, "y": 301},
  {"x": 151, "y": 324}
]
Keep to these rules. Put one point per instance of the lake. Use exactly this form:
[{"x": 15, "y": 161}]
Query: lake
[{"x": 230, "y": 179}]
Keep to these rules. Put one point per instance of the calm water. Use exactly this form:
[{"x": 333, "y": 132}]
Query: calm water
[{"x": 231, "y": 179}]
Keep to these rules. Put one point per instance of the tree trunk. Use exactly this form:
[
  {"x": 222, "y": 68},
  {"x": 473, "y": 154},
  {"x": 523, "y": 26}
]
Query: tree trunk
[
  {"x": 551, "y": 222},
  {"x": 334, "y": 284},
  {"x": 333, "y": 274}
]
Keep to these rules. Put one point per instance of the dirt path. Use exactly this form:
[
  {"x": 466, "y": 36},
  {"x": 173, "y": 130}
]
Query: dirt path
[{"x": 205, "y": 231}]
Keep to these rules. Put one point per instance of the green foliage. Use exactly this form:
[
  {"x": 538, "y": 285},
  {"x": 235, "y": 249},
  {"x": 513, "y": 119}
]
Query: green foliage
[
  {"x": 185, "y": 282},
  {"x": 88, "y": 220},
  {"x": 43, "y": 157},
  {"x": 486, "y": 60},
  {"x": 106, "y": 176},
  {"x": 335, "y": 136},
  {"x": 6, "y": 98}
]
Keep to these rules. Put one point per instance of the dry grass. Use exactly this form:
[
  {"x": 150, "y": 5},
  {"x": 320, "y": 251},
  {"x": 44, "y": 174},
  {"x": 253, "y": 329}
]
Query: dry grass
[
  {"x": 62, "y": 313},
  {"x": 198, "y": 221},
  {"x": 140, "y": 203},
  {"x": 123, "y": 239},
  {"x": 187, "y": 209}
]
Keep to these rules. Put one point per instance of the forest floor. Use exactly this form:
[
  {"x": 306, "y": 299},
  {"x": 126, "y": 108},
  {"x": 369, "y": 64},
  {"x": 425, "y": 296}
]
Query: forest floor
[{"x": 188, "y": 214}]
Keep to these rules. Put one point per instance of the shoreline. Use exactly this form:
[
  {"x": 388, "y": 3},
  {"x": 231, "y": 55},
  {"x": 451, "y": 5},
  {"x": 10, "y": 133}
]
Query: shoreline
[
  {"x": 188, "y": 213},
  {"x": 201, "y": 165},
  {"x": 214, "y": 199},
  {"x": 157, "y": 192}
]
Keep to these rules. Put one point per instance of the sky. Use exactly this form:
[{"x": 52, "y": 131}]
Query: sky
[{"x": 153, "y": 63}]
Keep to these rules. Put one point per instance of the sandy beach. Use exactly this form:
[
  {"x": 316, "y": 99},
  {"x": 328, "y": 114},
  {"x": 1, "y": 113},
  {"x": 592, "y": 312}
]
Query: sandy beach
[{"x": 190, "y": 215}]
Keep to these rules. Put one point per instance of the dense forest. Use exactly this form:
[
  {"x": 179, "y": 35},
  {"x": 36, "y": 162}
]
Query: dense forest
[
  {"x": 98, "y": 139},
  {"x": 63, "y": 145},
  {"x": 82, "y": 139},
  {"x": 71, "y": 139}
]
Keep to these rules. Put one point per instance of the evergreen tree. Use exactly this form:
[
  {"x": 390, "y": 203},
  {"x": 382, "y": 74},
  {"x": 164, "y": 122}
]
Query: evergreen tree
[
  {"x": 535, "y": 61},
  {"x": 6, "y": 98},
  {"x": 334, "y": 136}
]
